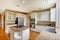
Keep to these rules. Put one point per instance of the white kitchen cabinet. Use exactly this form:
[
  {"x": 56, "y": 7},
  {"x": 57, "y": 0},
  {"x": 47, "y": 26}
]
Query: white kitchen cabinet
[
  {"x": 45, "y": 28},
  {"x": 53, "y": 14},
  {"x": 33, "y": 15},
  {"x": 26, "y": 34},
  {"x": 21, "y": 34},
  {"x": 9, "y": 16},
  {"x": 43, "y": 16},
  {"x": 48, "y": 15}
]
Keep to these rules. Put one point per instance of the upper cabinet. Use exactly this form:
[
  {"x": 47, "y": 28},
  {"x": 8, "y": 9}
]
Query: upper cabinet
[
  {"x": 10, "y": 15},
  {"x": 53, "y": 14},
  {"x": 43, "y": 16},
  {"x": 40, "y": 16},
  {"x": 47, "y": 15},
  {"x": 33, "y": 14}
]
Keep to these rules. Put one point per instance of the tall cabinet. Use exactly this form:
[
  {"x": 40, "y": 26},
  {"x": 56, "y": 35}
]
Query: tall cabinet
[{"x": 33, "y": 19}]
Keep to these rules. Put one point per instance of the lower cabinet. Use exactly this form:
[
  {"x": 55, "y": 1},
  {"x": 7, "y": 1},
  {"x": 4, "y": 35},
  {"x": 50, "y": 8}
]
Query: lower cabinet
[
  {"x": 23, "y": 35},
  {"x": 45, "y": 28}
]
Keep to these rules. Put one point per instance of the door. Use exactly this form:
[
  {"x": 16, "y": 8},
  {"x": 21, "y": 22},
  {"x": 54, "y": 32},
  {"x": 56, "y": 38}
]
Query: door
[
  {"x": 0, "y": 20},
  {"x": 4, "y": 22}
]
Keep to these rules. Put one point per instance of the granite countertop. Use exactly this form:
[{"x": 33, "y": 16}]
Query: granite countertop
[
  {"x": 15, "y": 29},
  {"x": 46, "y": 23}
]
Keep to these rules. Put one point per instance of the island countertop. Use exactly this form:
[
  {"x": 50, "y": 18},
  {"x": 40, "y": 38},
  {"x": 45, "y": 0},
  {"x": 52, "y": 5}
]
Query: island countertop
[
  {"x": 21, "y": 33},
  {"x": 16, "y": 29}
]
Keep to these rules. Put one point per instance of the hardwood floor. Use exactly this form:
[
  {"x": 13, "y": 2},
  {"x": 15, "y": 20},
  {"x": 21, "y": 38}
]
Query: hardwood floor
[
  {"x": 4, "y": 36},
  {"x": 33, "y": 35}
]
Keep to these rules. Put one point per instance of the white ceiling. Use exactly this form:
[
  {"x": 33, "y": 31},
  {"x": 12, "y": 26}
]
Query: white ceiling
[{"x": 27, "y": 6}]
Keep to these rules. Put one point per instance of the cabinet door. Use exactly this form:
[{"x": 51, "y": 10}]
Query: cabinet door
[
  {"x": 10, "y": 15},
  {"x": 26, "y": 34},
  {"x": 52, "y": 14},
  {"x": 7, "y": 15},
  {"x": 33, "y": 15},
  {"x": 43, "y": 16}
]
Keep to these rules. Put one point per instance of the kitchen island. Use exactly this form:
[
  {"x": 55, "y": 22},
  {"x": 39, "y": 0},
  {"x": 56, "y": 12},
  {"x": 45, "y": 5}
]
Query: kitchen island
[{"x": 19, "y": 33}]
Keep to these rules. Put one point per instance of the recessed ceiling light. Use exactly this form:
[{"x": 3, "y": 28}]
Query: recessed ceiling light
[{"x": 23, "y": 1}]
